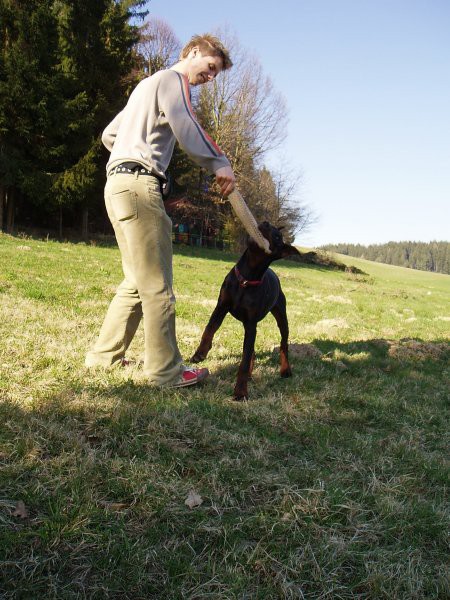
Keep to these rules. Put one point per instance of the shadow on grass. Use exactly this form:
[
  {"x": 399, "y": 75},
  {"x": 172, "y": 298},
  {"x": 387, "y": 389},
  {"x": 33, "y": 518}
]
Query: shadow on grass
[
  {"x": 378, "y": 379},
  {"x": 388, "y": 355}
]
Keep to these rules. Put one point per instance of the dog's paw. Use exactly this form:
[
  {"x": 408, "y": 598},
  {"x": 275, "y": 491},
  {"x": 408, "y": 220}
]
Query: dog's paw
[
  {"x": 286, "y": 373},
  {"x": 240, "y": 398},
  {"x": 197, "y": 358},
  {"x": 240, "y": 394}
]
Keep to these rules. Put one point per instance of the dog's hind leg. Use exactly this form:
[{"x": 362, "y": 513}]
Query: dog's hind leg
[
  {"x": 252, "y": 364},
  {"x": 215, "y": 321},
  {"x": 240, "y": 389},
  {"x": 279, "y": 312}
]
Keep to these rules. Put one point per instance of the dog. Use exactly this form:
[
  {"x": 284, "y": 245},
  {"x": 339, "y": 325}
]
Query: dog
[{"x": 249, "y": 292}]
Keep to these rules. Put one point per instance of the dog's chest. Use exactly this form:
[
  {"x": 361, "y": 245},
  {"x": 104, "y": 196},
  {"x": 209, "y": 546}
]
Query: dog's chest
[{"x": 254, "y": 302}]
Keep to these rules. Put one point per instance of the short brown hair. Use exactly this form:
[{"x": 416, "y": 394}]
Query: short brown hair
[{"x": 209, "y": 45}]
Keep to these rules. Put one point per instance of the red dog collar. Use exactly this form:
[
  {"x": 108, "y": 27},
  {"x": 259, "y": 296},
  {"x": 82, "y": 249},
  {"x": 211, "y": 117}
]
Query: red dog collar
[{"x": 245, "y": 282}]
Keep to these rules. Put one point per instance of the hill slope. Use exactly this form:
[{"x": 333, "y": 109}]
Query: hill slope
[{"x": 431, "y": 256}]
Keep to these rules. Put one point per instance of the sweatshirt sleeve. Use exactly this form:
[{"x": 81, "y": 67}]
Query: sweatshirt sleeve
[
  {"x": 110, "y": 133},
  {"x": 174, "y": 101}
]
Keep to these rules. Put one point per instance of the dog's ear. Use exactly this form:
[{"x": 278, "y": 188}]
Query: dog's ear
[{"x": 289, "y": 250}]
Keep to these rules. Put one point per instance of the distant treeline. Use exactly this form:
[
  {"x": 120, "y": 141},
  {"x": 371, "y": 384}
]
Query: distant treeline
[{"x": 432, "y": 256}]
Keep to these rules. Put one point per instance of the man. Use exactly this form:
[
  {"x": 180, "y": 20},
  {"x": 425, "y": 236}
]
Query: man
[{"x": 141, "y": 139}]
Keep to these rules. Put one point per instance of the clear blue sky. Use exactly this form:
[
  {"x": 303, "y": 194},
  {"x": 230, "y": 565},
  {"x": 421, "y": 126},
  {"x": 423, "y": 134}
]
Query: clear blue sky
[{"x": 367, "y": 85}]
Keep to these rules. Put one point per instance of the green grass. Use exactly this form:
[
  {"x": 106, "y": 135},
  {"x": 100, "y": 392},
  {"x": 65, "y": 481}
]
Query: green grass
[{"x": 329, "y": 485}]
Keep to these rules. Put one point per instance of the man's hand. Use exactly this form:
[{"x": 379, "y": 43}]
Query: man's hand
[{"x": 226, "y": 180}]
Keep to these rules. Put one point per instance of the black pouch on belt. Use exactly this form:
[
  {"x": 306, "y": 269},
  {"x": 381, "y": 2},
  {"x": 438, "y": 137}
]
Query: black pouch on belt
[{"x": 166, "y": 187}]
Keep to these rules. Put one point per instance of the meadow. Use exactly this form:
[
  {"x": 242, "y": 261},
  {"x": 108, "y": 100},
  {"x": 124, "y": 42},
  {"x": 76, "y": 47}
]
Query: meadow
[{"x": 328, "y": 485}]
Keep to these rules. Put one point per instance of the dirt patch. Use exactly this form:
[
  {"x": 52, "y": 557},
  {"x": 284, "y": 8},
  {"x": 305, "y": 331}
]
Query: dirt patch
[
  {"x": 315, "y": 298},
  {"x": 309, "y": 351},
  {"x": 339, "y": 299},
  {"x": 206, "y": 302},
  {"x": 326, "y": 324},
  {"x": 304, "y": 351},
  {"x": 413, "y": 350}
]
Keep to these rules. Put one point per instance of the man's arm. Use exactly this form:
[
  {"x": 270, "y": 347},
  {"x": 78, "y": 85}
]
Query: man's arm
[
  {"x": 110, "y": 133},
  {"x": 175, "y": 103}
]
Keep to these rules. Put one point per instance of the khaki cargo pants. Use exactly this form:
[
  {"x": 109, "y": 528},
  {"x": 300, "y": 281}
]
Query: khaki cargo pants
[{"x": 144, "y": 235}]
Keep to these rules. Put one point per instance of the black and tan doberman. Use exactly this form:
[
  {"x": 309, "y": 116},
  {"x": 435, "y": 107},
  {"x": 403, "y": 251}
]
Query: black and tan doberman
[{"x": 250, "y": 291}]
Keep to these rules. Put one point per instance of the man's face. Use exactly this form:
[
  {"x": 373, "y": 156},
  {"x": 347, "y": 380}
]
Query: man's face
[{"x": 203, "y": 68}]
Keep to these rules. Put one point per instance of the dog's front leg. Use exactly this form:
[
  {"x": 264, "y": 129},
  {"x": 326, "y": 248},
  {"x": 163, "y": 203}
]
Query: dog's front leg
[
  {"x": 240, "y": 389},
  {"x": 214, "y": 323},
  {"x": 279, "y": 312}
]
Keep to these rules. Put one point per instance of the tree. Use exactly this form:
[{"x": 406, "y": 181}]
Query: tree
[
  {"x": 158, "y": 46},
  {"x": 242, "y": 111},
  {"x": 62, "y": 78},
  {"x": 287, "y": 209},
  {"x": 29, "y": 98},
  {"x": 95, "y": 55},
  {"x": 246, "y": 116}
]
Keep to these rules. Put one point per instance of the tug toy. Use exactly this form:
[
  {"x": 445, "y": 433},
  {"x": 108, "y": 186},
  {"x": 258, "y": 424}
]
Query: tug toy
[{"x": 248, "y": 220}]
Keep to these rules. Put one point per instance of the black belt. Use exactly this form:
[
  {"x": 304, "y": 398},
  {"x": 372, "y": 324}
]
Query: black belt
[
  {"x": 132, "y": 167},
  {"x": 126, "y": 168}
]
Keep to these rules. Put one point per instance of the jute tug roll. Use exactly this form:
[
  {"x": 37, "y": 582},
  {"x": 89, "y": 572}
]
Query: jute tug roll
[{"x": 248, "y": 220}]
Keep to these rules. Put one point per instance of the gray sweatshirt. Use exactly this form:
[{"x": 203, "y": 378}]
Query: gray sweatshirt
[{"x": 158, "y": 113}]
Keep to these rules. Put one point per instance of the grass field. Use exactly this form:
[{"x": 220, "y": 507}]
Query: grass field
[{"x": 328, "y": 485}]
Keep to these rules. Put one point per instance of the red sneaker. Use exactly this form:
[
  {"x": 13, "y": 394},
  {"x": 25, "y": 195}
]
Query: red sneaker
[{"x": 190, "y": 376}]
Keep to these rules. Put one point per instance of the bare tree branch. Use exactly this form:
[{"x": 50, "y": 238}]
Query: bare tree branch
[{"x": 158, "y": 45}]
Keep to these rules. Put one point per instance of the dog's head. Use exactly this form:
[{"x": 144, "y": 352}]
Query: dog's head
[{"x": 278, "y": 248}]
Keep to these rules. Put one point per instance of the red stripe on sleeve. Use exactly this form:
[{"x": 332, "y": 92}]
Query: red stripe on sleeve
[{"x": 192, "y": 113}]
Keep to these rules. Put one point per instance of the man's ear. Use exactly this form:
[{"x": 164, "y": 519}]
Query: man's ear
[{"x": 289, "y": 250}]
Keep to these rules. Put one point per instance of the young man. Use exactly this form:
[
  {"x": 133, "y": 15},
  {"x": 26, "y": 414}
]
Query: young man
[{"x": 141, "y": 139}]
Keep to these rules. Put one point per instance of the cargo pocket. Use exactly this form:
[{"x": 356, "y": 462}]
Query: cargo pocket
[{"x": 124, "y": 205}]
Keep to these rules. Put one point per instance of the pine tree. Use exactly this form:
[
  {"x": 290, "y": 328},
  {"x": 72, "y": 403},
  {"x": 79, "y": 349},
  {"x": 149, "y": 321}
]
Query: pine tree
[
  {"x": 63, "y": 68},
  {"x": 95, "y": 55},
  {"x": 29, "y": 91}
]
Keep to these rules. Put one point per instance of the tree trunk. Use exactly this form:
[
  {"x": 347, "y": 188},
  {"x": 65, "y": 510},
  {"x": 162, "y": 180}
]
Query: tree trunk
[
  {"x": 60, "y": 223},
  {"x": 2, "y": 204},
  {"x": 10, "y": 209},
  {"x": 84, "y": 224}
]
